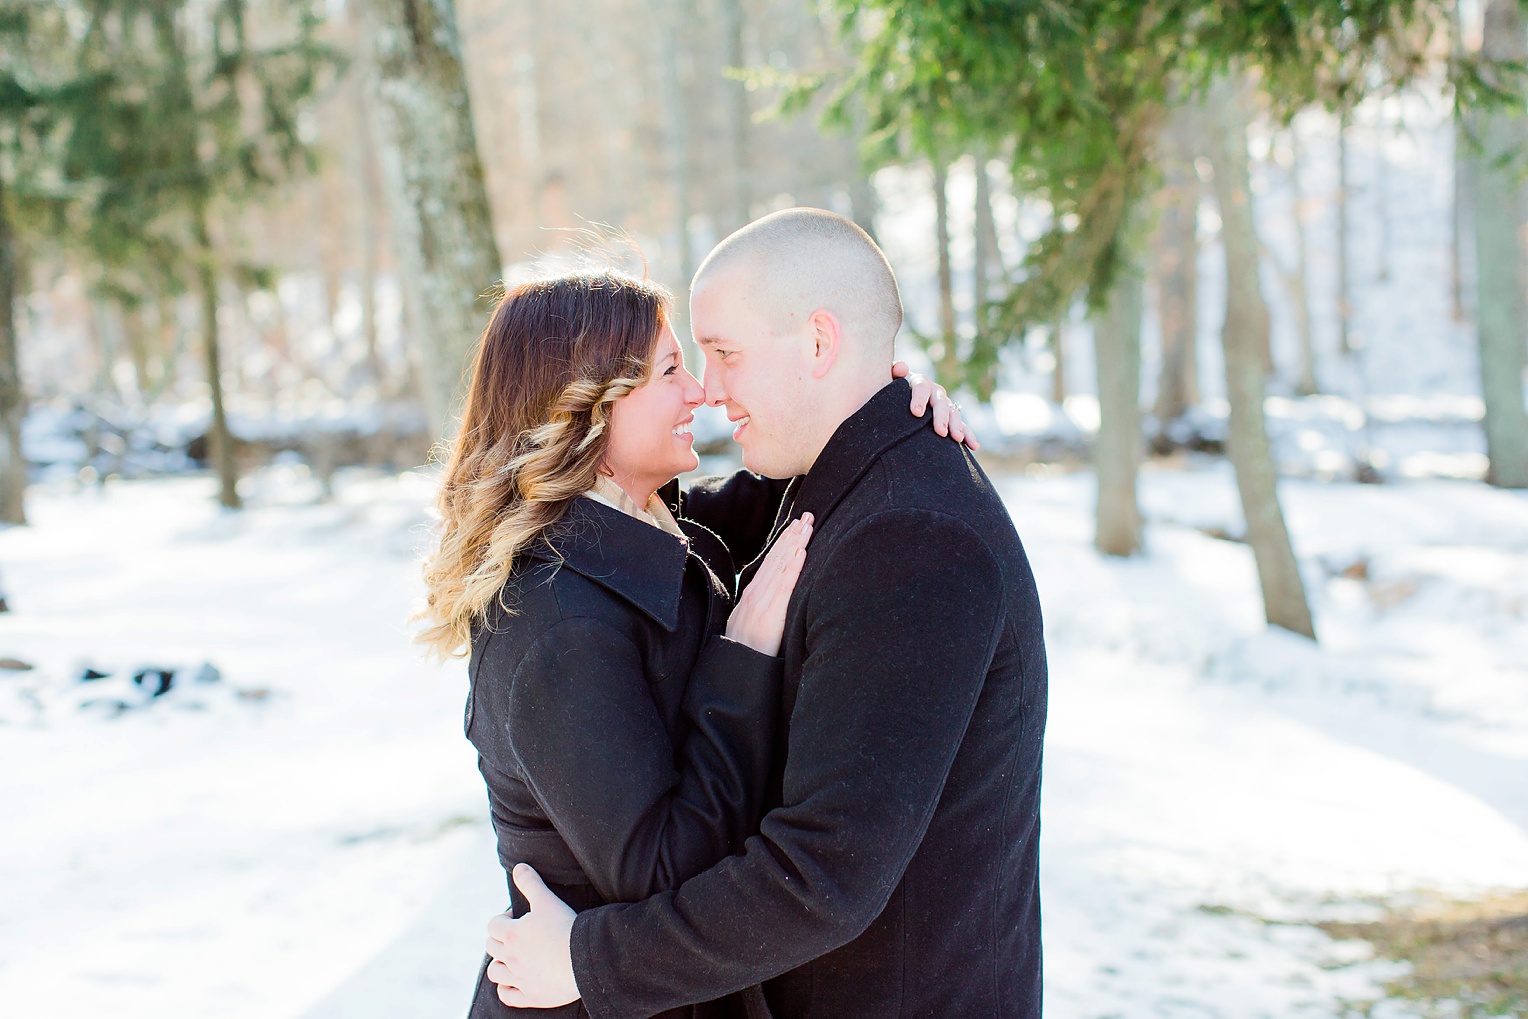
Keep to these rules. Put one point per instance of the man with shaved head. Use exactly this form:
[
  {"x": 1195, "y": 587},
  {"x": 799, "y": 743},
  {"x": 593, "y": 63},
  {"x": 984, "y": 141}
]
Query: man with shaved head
[
  {"x": 797, "y": 314},
  {"x": 896, "y": 870}
]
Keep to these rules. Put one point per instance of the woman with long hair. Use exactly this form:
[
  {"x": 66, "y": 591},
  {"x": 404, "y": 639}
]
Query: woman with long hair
[{"x": 623, "y": 709}]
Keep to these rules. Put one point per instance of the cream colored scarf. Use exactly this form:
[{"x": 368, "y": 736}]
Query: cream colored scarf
[{"x": 614, "y": 496}]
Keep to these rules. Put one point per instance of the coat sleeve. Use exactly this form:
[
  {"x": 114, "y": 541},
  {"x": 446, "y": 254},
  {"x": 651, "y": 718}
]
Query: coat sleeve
[
  {"x": 740, "y": 509},
  {"x": 902, "y": 623},
  {"x": 638, "y": 815}
]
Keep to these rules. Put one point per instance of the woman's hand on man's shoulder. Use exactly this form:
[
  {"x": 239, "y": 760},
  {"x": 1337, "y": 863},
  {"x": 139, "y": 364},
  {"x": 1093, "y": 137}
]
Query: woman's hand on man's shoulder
[{"x": 947, "y": 419}]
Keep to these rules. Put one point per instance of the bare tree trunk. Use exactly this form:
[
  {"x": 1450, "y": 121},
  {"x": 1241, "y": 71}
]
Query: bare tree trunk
[
  {"x": 814, "y": 33},
  {"x": 1244, "y": 336},
  {"x": 102, "y": 336},
  {"x": 13, "y": 466},
  {"x": 863, "y": 201},
  {"x": 988, "y": 258},
  {"x": 235, "y": 344},
  {"x": 1300, "y": 292},
  {"x": 1178, "y": 271},
  {"x": 1502, "y": 312},
  {"x": 219, "y": 440},
  {"x": 172, "y": 342},
  {"x": 135, "y": 333},
  {"x": 1344, "y": 288},
  {"x": 949, "y": 357},
  {"x": 438, "y": 200},
  {"x": 1119, "y": 447},
  {"x": 367, "y": 186},
  {"x": 151, "y": 338},
  {"x": 1461, "y": 185},
  {"x": 1382, "y": 189},
  {"x": 368, "y": 284},
  {"x": 220, "y": 443},
  {"x": 671, "y": 33},
  {"x": 739, "y": 118},
  {"x": 528, "y": 109},
  {"x": 984, "y": 362},
  {"x": 330, "y": 274},
  {"x": 980, "y": 249},
  {"x": 618, "y": 183},
  {"x": 1058, "y": 354},
  {"x": 1459, "y": 214}
]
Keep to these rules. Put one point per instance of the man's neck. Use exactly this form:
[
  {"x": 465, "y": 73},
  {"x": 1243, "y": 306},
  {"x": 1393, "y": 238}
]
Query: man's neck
[{"x": 851, "y": 402}]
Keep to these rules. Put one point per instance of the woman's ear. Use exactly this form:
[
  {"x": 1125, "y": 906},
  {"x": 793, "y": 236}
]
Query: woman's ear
[{"x": 827, "y": 338}]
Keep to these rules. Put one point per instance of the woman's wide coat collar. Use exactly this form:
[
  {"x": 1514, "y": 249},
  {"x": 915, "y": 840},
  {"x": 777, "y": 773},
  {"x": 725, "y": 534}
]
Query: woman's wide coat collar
[{"x": 628, "y": 557}]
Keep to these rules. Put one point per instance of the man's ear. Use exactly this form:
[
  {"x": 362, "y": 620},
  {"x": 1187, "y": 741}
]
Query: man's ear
[{"x": 827, "y": 338}]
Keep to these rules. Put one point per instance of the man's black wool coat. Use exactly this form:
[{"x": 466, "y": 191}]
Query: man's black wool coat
[
  {"x": 624, "y": 741},
  {"x": 897, "y": 871}
]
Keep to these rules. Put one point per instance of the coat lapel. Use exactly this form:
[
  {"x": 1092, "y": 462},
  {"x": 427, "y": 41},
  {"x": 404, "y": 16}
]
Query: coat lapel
[
  {"x": 880, "y": 424},
  {"x": 628, "y": 557},
  {"x": 867, "y": 433}
]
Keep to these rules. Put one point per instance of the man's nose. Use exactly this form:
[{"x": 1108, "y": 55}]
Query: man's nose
[{"x": 716, "y": 395}]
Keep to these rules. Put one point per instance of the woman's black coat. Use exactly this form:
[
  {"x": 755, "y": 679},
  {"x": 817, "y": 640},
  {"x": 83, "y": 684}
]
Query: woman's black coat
[{"x": 625, "y": 742}]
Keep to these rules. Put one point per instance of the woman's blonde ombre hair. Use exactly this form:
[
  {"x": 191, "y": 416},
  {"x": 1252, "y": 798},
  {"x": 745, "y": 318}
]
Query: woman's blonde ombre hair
[{"x": 557, "y": 354}]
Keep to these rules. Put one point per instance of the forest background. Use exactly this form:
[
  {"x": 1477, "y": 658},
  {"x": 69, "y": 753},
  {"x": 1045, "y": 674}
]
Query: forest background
[{"x": 1167, "y": 254}]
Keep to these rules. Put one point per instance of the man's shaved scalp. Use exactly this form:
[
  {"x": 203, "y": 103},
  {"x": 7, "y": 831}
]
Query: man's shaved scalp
[{"x": 801, "y": 260}]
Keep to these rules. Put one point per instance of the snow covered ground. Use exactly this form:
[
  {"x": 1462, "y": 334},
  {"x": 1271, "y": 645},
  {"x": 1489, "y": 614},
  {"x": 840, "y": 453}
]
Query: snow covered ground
[
  {"x": 307, "y": 837},
  {"x": 1203, "y": 771}
]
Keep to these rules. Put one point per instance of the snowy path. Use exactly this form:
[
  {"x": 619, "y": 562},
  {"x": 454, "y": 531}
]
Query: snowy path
[{"x": 320, "y": 851}]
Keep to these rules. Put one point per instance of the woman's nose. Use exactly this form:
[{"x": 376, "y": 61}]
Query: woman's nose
[{"x": 694, "y": 392}]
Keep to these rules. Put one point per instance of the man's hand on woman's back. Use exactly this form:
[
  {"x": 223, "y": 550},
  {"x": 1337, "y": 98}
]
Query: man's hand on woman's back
[{"x": 531, "y": 961}]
